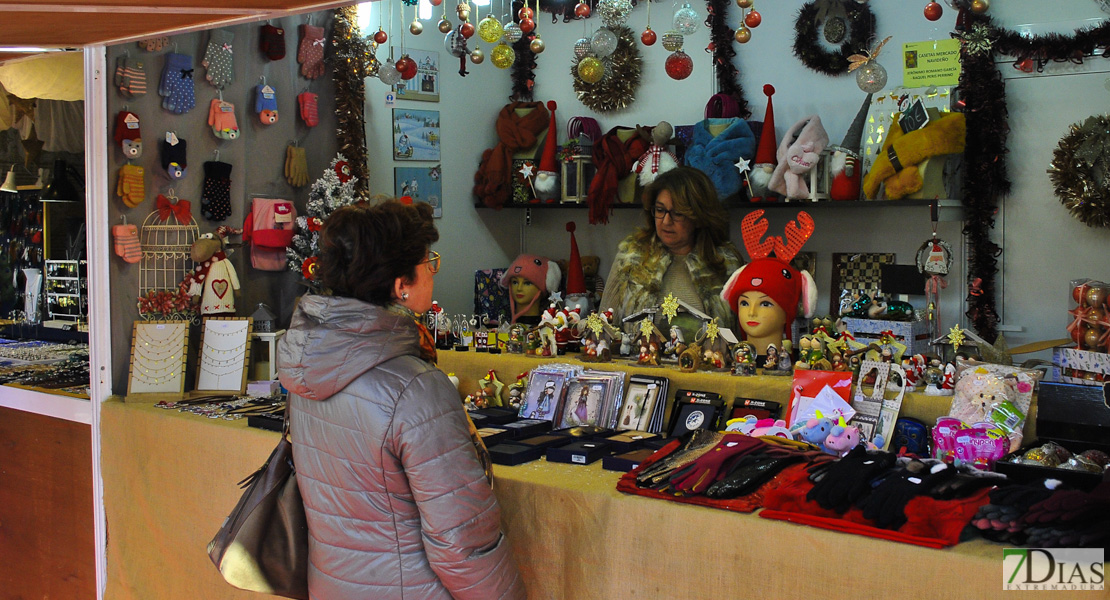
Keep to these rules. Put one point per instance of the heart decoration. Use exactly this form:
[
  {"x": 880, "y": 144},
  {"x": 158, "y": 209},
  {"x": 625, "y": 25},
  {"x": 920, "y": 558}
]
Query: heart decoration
[{"x": 220, "y": 287}]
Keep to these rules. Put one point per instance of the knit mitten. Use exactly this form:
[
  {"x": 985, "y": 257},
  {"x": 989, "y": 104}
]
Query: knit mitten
[
  {"x": 130, "y": 187},
  {"x": 307, "y": 102},
  {"x": 126, "y": 238},
  {"x": 218, "y": 58},
  {"x": 215, "y": 199},
  {"x": 128, "y": 134},
  {"x": 133, "y": 82},
  {"x": 310, "y": 53},
  {"x": 174, "y": 159},
  {"x": 176, "y": 85},
  {"x": 272, "y": 42},
  {"x": 265, "y": 104},
  {"x": 221, "y": 117}
]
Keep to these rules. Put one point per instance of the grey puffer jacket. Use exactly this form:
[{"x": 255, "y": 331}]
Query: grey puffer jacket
[{"x": 398, "y": 504}]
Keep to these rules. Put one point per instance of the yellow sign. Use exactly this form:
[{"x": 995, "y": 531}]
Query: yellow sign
[{"x": 936, "y": 62}]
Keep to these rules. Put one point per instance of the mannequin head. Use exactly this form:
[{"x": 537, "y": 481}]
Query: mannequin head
[
  {"x": 543, "y": 275},
  {"x": 762, "y": 320},
  {"x": 525, "y": 293}
]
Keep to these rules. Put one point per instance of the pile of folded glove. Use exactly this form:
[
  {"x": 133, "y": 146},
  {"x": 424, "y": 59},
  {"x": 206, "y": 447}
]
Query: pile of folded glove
[{"x": 1044, "y": 515}]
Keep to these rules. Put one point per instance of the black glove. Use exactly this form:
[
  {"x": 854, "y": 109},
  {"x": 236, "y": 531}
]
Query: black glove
[
  {"x": 886, "y": 505},
  {"x": 749, "y": 473},
  {"x": 965, "y": 483},
  {"x": 849, "y": 478}
]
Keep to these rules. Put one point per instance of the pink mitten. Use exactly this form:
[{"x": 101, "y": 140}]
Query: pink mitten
[
  {"x": 310, "y": 53},
  {"x": 127, "y": 242}
]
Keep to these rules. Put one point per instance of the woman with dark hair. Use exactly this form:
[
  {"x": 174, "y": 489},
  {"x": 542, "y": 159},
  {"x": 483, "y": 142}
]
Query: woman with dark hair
[
  {"x": 683, "y": 250},
  {"x": 399, "y": 503}
]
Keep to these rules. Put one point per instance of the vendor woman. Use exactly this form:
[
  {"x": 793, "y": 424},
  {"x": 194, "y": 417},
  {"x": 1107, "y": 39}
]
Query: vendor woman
[
  {"x": 684, "y": 250},
  {"x": 529, "y": 281}
]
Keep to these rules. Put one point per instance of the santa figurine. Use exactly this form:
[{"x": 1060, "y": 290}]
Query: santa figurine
[
  {"x": 546, "y": 182},
  {"x": 575, "y": 296},
  {"x": 213, "y": 284}
]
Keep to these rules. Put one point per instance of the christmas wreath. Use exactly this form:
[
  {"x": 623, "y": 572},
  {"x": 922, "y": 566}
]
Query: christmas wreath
[
  {"x": 861, "y": 26},
  {"x": 336, "y": 188},
  {"x": 1080, "y": 171},
  {"x": 617, "y": 89}
]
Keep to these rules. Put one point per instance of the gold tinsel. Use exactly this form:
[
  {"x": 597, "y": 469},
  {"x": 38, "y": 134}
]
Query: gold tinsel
[
  {"x": 1080, "y": 170},
  {"x": 617, "y": 89},
  {"x": 352, "y": 63}
]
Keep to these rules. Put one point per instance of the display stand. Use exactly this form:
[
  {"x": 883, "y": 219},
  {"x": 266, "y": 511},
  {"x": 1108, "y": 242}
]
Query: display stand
[{"x": 264, "y": 355}]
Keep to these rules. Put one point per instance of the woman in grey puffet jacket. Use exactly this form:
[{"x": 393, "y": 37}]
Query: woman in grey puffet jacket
[{"x": 398, "y": 502}]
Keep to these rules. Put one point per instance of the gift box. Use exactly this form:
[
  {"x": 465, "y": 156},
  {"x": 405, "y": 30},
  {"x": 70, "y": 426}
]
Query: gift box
[
  {"x": 626, "y": 461},
  {"x": 1082, "y": 367},
  {"x": 493, "y": 435},
  {"x": 495, "y": 415},
  {"x": 914, "y": 334},
  {"x": 544, "y": 442},
  {"x": 1076, "y": 417},
  {"x": 656, "y": 443},
  {"x": 627, "y": 441},
  {"x": 526, "y": 428},
  {"x": 582, "y": 452},
  {"x": 514, "y": 454}
]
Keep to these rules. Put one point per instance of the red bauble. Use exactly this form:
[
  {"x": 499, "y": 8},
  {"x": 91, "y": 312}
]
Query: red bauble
[
  {"x": 380, "y": 37},
  {"x": 1079, "y": 333},
  {"x": 753, "y": 19},
  {"x": 526, "y": 13},
  {"x": 582, "y": 10},
  {"x": 527, "y": 25},
  {"x": 933, "y": 11},
  {"x": 648, "y": 37},
  {"x": 466, "y": 30},
  {"x": 435, "y": 2},
  {"x": 406, "y": 67},
  {"x": 679, "y": 65}
]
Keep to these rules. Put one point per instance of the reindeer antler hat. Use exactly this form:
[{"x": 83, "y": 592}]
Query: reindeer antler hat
[{"x": 773, "y": 275}]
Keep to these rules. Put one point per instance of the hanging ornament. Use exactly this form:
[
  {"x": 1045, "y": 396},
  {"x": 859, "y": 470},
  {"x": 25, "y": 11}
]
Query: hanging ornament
[
  {"x": 512, "y": 32},
  {"x": 536, "y": 45},
  {"x": 477, "y": 56},
  {"x": 835, "y": 30},
  {"x": 502, "y": 56},
  {"x": 406, "y": 67},
  {"x": 980, "y": 6},
  {"x": 380, "y": 36},
  {"x": 416, "y": 27},
  {"x": 466, "y": 30},
  {"x": 525, "y": 13},
  {"x": 454, "y": 43},
  {"x": 591, "y": 70},
  {"x": 435, "y": 2},
  {"x": 744, "y": 3},
  {"x": 388, "y": 73},
  {"x": 463, "y": 10},
  {"x": 581, "y": 48},
  {"x": 743, "y": 35},
  {"x": 673, "y": 40},
  {"x": 933, "y": 11},
  {"x": 648, "y": 37},
  {"x": 679, "y": 65},
  {"x": 753, "y": 19},
  {"x": 490, "y": 29},
  {"x": 685, "y": 20},
  {"x": 614, "y": 12},
  {"x": 871, "y": 77},
  {"x": 617, "y": 90},
  {"x": 527, "y": 25},
  {"x": 603, "y": 42},
  {"x": 582, "y": 10},
  {"x": 444, "y": 25}
]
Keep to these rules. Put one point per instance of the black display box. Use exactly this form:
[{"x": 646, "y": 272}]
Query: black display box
[
  {"x": 582, "y": 452},
  {"x": 545, "y": 441},
  {"x": 1075, "y": 416},
  {"x": 526, "y": 428},
  {"x": 657, "y": 442},
  {"x": 694, "y": 409},
  {"x": 494, "y": 435},
  {"x": 272, "y": 422},
  {"x": 586, "y": 432},
  {"x": 496, "y": 415},
  {"x": 514, "y": 454},
  {"x": 626, "y": 461},
  {"x": 627, "y": 441}
]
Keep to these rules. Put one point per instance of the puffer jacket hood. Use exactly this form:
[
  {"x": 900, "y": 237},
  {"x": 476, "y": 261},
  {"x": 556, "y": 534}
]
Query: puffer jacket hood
[{"x": 333, "y": 340}]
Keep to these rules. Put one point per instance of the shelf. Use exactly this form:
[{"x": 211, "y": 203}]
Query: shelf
[{"x": 947, "y": 209}]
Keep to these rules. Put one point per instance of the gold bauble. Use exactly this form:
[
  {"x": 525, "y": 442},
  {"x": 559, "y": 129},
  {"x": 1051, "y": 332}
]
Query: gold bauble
[
  {"x": 477, "y": 56},
  {"x": 744, "y": 3},
  {"x": 490, "y": 29},
  {"x": 537, "y": 46},
  {"x": 416, "y": 27},
  {"x": 980, "y": 6},
  {"x": 591, "y": 70},
  {"x": 445, "y": 26},
  {"x": 743, "y": 35},
  {"x": 502, "y": 56}
]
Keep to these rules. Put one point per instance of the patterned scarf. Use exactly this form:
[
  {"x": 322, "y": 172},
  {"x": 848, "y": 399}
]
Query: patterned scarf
[{"x": 614, "y": 160}]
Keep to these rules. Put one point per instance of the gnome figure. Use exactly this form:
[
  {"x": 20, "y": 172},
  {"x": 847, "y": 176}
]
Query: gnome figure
[
  {"x": 845, "y": 167},
  {"x": 546, "y": 183},
  {"x": 576, "y": 295},
  {"x": 765, "y": 160}
]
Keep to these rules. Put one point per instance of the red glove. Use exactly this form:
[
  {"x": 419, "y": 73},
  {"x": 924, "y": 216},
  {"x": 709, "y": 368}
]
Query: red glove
[{"x": 696, "y": 477}]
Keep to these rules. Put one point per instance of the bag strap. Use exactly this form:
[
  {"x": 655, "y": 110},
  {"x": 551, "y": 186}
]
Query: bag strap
[
  {"x": 722, "y": 106},
  {"x": 285, "y": 421}
]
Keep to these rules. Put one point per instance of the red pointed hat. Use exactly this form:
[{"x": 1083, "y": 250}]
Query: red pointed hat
[
  {"x": 765, "y": 152},
  {"x": 547, "y": 159},
  {"x": 576, "y": 278}
]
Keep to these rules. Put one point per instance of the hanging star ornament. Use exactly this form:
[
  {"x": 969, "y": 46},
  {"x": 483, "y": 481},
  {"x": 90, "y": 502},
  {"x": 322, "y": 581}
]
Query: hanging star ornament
[
  {"x": 670, "y": 307},
  {"x": 978, "y": 40},
  {"x": 646, "y": 327},
  {"x": 712, "y": 330},
  {"x": 595, "y": 323},
  {"x": 956, "y": 336}
]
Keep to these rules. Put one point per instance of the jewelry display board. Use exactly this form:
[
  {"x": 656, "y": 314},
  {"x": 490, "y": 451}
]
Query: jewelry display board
[
  {"x": 224, "y": 355},
  {"x": 158, "y": 351}
]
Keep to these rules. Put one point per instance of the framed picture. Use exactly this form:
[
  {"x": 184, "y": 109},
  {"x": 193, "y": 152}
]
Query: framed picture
[
  {"x": 422, "y": 184},
  {"x": 856, "y": 273},
  {"x": 545, "y": 390},
  {"x": 158, "y": 351},
  {"x": 639, "y": 405},
  {"x": 224, "y": 355},
  {"x": 425, "y": 86},
  {"x": 582, "y": 404},
  {"x": 415, "y": 134}
]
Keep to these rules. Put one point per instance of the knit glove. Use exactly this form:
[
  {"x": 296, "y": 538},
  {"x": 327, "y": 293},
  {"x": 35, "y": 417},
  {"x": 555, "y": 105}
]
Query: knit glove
[
  {"x": 176, "y": 85},
  {"x": 307, "y": 102},
  {"x": 1069, "y": 506},
  {"x": 218, "y": 58},
  {"x": 886, "y": 505},
  {"x": 752, "y": 471},
  {"x": 175, "y": 159},
  {"x": 1000, "y": 519},
  {"x": 271, "y": 41},
  {"x": 310, "y": 53},
  {"x": 296, "y": 167},
  {"x": 700, "y": 442},
  {"x": 265, "y": 104},
  {"x": 703, "y": 472},
  {"x": 221, "y": 116},
  {"x": 1087, "y": 535},
  {"x": 215, "y": 199},
  {"x": 849, "y": 479}
]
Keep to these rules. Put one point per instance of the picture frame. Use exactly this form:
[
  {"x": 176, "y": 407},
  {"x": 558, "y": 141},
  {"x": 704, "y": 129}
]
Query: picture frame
[
  {"x": 159, "y": 351},
  {"x": 416, "y": 134},
  {"x": 543, "y": 398},
  {"x": 422, "y": 184},
  {"x": 583, "y": 402},
  {"x": 639, "y": 405},
  {"x": 424, "y": 87},
  {"x": 224, "y": 355}
]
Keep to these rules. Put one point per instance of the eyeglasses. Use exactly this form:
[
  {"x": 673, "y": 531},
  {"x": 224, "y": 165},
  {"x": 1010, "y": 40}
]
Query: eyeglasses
[
  {"x": 433, "y": 262},
  {"x": 660, "y": 213}
]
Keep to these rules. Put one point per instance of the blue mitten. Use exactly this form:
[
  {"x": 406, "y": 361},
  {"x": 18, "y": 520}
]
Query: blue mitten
[
  {"x": 176, "y": 85},
  {"x": 265, "y": 104}
]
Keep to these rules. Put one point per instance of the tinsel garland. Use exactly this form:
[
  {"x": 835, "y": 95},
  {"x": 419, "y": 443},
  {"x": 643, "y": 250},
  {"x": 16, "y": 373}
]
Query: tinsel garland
[
  {"x": 523, "y": 71},
  {"x": 721, "y": 40},
  {"x": 1052, "y": 46},
  {"x": 861, "y": 25},
  {"x": 349, "y": 71},
  {"x": 617, "y": 89},
  {"x": 1080, "y": 171}
]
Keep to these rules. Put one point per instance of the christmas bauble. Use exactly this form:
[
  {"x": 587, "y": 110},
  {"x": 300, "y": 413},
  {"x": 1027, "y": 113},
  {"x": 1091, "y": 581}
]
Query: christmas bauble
[
  {"x": 1097, "y": 314},
  {"x": 614, "y": 12},
  {"x": 454, "y": 43},
  {"x": 380, "y": 37},
  {"x": 463, "y": 10},
  {"x": 871, "y": 77},
  {"x": 435, "y": 2},
  {"x": 527, "y": 25},
  {"x": 1095, "y": 296},
  {"x": 679, "y": 65},
  {"x": 525, "y": 13},
  {"x": 406, "y": 67},
  {"x": 743, "y": 35},
  {"x": 445, "y": 26},
  {"x": 477, "y": 56},
  {"x": 603, "y": 42},
  {"x": 490, "y": 29},
  {"x": 1090, "y": 338},
  {"x": 591, "y": 70},
  {"x": 1079, "y": 333},
  {"x": 416, "y": 27},
  {"x": 686, "y": 19},
  {"x": 512, "y": 32},
  {"x": 980, "y": 6},
  {"x": 744, "y": 3},
  {"x": 581, "y": 48},
  {"x": 672, "y": 40},
  {"x": 582, "y": 10},
  {"x": 537, "y": 46},
  {"x": 466, "y": 30},
  {"x": 648, "y": 37},
  {"x": 933, "y": 11},
  {"x": 502, "y": 56},
  {"x": 753, "y": 19},
  {"x": 388, "y": 73}
]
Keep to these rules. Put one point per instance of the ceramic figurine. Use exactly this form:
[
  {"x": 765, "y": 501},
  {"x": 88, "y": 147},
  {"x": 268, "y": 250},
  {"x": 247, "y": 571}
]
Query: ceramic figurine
[{"x": 743, "y": 359}]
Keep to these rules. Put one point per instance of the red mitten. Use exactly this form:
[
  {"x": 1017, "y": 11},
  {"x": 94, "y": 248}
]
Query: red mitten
[
  {"x": 307, "y": 102},
  {"x": 127, "y": 242},
  {"x": 272, "y": 42}
]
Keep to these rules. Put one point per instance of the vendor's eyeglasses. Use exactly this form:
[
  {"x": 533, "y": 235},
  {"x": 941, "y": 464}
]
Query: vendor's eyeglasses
[
  {"x": 660, "y": 213},
  {"x": 433, "y": 262}
]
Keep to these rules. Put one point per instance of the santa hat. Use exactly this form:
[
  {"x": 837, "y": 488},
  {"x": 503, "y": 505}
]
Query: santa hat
[
  {"x": 765, "y": 152},
  {"x": 576, "y": 278},
  {"x": 547, "y": 178},
  {"x": 540, "y": 271}
]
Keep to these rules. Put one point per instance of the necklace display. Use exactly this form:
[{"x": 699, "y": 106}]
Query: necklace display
[
  {"x": 158, "y": 358},
  {"x": 223, "y": 354}
]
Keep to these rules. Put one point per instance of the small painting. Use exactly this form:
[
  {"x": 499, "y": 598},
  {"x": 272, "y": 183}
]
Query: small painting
[
  {"x": 422, "y": 184},
  {"x": 415, "y": 134},
  {"x": 425, "y": 86}
]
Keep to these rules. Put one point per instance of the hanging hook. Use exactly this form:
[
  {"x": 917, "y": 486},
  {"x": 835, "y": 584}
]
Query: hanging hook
[
  {"x": 170, "y": 195},
  {"x": 220, "y": 94},
  {"x": 217, "y": 153},
  {"x": 123, "y": 219},
  {"x": 263, "y": 78}
]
